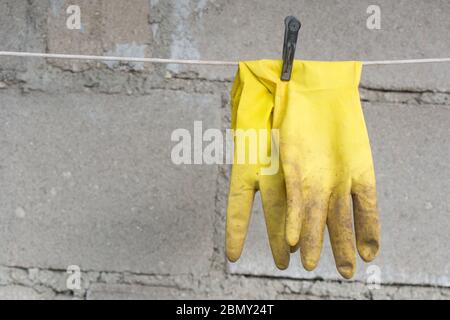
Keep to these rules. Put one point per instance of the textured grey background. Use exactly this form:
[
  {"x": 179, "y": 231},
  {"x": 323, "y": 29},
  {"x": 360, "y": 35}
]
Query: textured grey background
[{"x": 85, "y": 172}]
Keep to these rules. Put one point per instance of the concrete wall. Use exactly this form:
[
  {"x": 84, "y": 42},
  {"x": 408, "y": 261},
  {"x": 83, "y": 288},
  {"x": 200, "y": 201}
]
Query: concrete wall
[{"x": 86, "y": 177}]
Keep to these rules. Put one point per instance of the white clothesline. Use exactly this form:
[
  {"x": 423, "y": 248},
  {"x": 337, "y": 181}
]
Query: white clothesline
[{"x": 183, "y": 61}]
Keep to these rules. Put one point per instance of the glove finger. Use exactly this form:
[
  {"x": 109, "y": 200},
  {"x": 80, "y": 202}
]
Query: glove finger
[
  {"x": 240, "y": 202},
  {"x": 311, "y": 236},
  {"x": 273, "y": 197},
  {"x": 340, "y": 228},
  {"x": 295, "y": 248},
  {"x": 367, "y": 225},
  {"x": 293, "y": 197}
]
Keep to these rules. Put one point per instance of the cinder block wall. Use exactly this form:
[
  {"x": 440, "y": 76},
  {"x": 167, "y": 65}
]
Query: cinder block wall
[{"x": 86, "y": 177}]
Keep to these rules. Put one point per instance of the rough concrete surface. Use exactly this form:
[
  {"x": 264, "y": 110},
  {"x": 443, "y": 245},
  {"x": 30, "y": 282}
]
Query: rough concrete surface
[
  {"x": 86, "y": 176},
  {"x": 91, "y": 183}
]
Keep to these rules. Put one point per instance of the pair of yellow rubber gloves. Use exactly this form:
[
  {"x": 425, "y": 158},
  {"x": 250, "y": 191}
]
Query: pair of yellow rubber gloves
[{"x": 325, "y": 172}]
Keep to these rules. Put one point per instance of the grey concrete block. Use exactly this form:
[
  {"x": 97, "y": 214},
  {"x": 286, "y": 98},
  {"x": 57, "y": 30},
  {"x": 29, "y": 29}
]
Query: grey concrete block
[
  {"x": 410, "y": 149},
  {"x": 133, "y": 292},
  {"x": 88, "y": 180},
  {"x": 108, "y": 27},
  {"x": 15, "y": 292},
  {"x": 13, "y": 24},
  {"x": 337, "y": 30},
  {"x": 22, "y": 29}
]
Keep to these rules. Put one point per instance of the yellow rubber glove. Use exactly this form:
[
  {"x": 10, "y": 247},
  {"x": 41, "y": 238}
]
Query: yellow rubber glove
[
  {"x": 252, "y": 108},
  {"x": 326, "y": 158}
]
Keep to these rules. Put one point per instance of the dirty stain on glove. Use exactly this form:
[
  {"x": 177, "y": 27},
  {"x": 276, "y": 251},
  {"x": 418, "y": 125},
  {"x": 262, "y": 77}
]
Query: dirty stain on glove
[{"x": 326, "y": 159}]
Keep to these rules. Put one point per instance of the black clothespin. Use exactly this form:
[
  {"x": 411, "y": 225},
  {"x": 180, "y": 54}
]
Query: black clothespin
[{"x": 292, "y": 26}]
